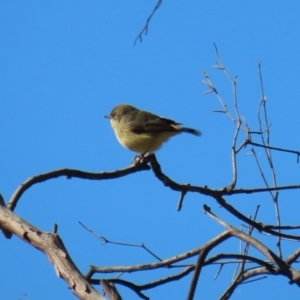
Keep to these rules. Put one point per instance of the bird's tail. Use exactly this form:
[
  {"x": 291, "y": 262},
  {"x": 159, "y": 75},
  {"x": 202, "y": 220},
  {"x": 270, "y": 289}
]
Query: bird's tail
[{"x": 190, "y": 130}]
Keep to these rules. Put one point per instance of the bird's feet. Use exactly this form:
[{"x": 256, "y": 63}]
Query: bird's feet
[{"x": 140, "y": 159}]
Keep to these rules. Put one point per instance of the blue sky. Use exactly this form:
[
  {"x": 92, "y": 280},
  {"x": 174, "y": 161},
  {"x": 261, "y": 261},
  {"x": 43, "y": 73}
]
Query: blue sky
[{"x": 66, "y": 64}]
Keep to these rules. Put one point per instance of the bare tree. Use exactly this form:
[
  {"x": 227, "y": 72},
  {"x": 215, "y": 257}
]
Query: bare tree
[{"x": 248, "y": 267}]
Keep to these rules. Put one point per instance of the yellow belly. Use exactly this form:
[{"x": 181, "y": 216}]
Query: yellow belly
[{"x": 142, "y": 143}]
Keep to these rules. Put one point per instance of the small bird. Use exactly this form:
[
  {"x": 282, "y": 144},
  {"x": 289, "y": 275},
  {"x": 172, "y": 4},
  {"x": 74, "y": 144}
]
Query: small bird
[{"x": 142, "y": 131}]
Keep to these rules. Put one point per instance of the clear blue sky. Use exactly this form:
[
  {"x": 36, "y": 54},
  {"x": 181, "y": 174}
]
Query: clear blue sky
[{"x": 66, "y": 64}]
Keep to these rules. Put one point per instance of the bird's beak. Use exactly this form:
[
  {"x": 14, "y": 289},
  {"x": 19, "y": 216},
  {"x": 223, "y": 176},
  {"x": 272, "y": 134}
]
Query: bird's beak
[{"x": 108, "y": 117}]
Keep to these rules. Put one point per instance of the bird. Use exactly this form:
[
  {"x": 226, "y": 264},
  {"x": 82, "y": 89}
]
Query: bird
[{"x": 142, "y": 131}]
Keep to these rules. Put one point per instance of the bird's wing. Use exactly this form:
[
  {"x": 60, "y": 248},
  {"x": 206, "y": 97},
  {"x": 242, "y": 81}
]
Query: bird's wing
[{"x": 154, "y": 126}]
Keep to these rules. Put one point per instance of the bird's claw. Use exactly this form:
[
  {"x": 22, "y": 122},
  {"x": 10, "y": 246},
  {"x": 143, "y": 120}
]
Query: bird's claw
[{"x": 139, "y": 160}]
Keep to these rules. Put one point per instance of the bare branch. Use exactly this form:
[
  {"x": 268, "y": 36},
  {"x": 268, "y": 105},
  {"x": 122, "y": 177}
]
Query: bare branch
[
  {"x": 164, "y": 263},
  {"x": 182, "y": 194},
  {"x": 146, "y": 27},
  {"x": 53, "y": 247},
  {"x": 110, "y": 290},
  {"x": 71, "y": 173},
  {"x": 259, "y": 226},
  {"x": 198, "y": 268},
  {"x": 105, "y": 241},
  {"x": 275, "y": 148},
  {"x": 287, "y": 270}
]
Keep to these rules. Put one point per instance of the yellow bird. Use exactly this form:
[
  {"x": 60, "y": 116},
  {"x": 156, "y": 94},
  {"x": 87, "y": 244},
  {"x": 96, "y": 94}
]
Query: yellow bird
[{"x": 142, "y": 131}]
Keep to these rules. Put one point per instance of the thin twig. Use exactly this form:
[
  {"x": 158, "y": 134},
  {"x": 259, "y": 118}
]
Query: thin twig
[
  {"x": 105, "y": 240},
  {"x": 269, "y": 154},
  {"x": 169, "y": 263},
  {"x": 146, "y": 27}
]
